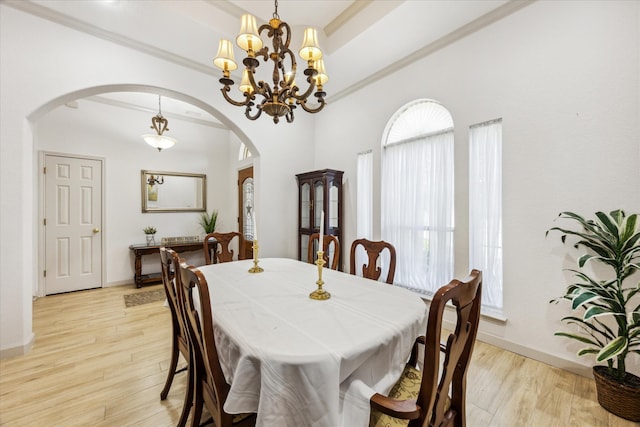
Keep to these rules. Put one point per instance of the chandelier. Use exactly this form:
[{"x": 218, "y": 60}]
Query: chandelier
[
  {"x": 159, "y": 124},
  {"x": 281, "y": 99},
  {"x": 153, "y": 180}
]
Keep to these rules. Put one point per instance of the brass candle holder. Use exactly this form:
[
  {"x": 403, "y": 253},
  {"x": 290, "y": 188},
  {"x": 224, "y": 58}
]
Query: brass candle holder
[
  {"x": 320, "y": 294},
  {"x": 256, "y": 268}
]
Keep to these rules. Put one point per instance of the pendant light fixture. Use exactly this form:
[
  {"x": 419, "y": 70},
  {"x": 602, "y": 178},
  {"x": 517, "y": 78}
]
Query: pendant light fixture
[{"x": 160, "y": 124}]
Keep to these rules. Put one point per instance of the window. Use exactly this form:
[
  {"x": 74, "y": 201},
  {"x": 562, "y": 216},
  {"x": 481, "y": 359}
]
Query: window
[
  {"x": 365, "y": 195},
  {"x": 417, "y": 194},
  {"x": 243, "y": 153},
  {"x": 364, "y": 203},
  {"x": 485, "y": 208}
]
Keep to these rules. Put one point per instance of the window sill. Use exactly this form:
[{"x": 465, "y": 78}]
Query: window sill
[{"x": 490, "y": 314}]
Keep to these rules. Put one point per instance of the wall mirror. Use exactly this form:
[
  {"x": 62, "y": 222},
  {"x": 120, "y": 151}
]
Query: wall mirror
[{"x": 173, "y": 192}]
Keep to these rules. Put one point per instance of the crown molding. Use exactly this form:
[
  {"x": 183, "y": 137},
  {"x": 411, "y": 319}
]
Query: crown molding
[
  {"x": 462, "y": 32},
  {"x": 76, "y": 24},
  {"x": 341, "y": 20}
]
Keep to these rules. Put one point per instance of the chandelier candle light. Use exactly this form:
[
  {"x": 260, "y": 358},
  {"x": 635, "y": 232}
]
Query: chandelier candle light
[
  {"x": 281, "y": 99},
  {"x": 320, "y": 294},
  {"x": 256, "y": 268},
  {"x": 159, "y": 124}
]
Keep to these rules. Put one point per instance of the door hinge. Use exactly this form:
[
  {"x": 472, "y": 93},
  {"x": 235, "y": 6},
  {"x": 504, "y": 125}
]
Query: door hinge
[
  {"x": 44, "y": 170},
  {"x": 45, "y": 273},
  {"x": 44, "y": 222}
]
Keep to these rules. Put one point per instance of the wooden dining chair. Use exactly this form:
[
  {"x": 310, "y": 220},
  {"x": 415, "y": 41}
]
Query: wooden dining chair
[
  {"x": 210, "y": 386},
  {"x": 374, "y": 250},
  {"x": 170, "y": 262},
  {"x": 222, "y": 252},
  {"x": 436, "y": 395},
  {"x": 328, "y": 249}
]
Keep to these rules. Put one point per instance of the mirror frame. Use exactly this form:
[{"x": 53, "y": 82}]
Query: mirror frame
[{"x": 143, "y": 181}]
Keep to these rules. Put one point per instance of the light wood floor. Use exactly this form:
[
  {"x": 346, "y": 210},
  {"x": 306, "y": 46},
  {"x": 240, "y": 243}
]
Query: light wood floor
[{"x": 97, "y": 363}]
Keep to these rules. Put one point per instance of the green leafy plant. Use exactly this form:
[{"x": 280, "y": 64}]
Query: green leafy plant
[
  {"x": 149, "y": 230},
  {"x": 208, "y": 221},
  {"x": 609, "y": 322}
]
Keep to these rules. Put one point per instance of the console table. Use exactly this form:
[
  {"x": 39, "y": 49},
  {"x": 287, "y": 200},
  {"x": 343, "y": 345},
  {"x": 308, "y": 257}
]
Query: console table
[{"x": 142, "y": 249}]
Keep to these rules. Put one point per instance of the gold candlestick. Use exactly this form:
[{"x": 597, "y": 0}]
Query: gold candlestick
[
  {"x": 256, "y": 268},
  {"x": 320, "y": 294}
]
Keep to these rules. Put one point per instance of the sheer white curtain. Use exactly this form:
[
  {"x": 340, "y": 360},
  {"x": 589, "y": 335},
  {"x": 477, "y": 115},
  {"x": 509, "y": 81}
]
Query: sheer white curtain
[
  {"x": 364, "y": 210},
  {"x": 485, "y": 208},
  {"x": 364, "y": 221},
  {"x": 417, "y": 209}
]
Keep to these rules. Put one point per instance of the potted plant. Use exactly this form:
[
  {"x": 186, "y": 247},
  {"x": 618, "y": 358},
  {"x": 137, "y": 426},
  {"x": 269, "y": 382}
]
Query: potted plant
[
  {"x": 606, "y": 311},
  {"x": 208, "y": 221},
  {"x": 150, "y": 234}
]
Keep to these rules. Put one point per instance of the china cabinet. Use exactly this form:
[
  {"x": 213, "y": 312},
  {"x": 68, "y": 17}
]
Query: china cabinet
[{"x": 319, "y": 192}]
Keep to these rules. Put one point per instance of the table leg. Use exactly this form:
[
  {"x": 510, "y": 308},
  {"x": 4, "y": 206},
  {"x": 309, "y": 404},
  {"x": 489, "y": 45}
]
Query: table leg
[{"x": 138, "y": 274}]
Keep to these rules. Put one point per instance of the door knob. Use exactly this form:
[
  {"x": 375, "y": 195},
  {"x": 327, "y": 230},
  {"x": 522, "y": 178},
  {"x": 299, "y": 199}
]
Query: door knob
[{"x": 96, "y": 230}]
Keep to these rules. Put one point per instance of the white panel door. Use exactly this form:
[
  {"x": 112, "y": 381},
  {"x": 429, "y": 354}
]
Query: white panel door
[{"x": 73, "y": 224}]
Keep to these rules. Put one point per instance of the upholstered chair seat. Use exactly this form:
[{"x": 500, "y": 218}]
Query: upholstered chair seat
[{"x": 406, "y": 388}]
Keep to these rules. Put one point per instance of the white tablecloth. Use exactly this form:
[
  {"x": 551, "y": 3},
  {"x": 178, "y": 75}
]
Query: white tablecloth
[{"x": 300, "y": 362}]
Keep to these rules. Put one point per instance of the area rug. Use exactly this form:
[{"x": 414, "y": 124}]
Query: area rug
[{"x": 139, "y": 298}]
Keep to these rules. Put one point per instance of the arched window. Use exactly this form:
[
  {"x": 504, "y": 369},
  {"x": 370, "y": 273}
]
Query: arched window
[
  {"x": 244, "y": 152},
  {"x": 417, "y": 194}
]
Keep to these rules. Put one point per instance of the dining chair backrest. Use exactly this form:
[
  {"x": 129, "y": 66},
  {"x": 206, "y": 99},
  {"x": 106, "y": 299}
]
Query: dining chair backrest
[
  {"x": 441, "y": 395},
  {"x": 374, "y": 249},
  {"x": 210, "y": 247},
  {"x": 330, "y": 247},
  {"x": 210, "y": 384},
  {"x": 223, "y": 251},
  {"x": 170, "y": 262}
]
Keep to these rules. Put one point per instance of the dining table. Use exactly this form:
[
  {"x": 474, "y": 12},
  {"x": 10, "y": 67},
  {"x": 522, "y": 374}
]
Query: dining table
[{"x": 296, "y": 361}]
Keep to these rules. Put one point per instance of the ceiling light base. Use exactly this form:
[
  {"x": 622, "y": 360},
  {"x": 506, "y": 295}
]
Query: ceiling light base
[{"x": 276, "y": 109}]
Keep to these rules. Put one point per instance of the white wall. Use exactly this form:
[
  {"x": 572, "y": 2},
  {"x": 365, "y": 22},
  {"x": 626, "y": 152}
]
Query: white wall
[
  {"x": 48, "y": 65},
  {"x": 564, "y": 77}
]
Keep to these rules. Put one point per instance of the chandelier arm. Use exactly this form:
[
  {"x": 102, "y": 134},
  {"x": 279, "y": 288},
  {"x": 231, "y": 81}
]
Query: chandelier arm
[
  {"x": 321, "y": 100},
  {"x": 310, "y": 72},
  {"x": 264, "y": 90},
  {"x": 264, "y": 53},
  {"x": 267, "y": 27},
  {"x": 287, "y": 41},
  {"x": 260, "y": 87},
  {"x": 247, "y": 112},
  {"x": 287, "y": 80},
  {"x": 289, "y": 116},
  {"x": 248, "y": 97}
]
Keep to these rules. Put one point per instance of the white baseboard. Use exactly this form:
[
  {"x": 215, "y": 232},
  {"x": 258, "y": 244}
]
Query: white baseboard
[
  {"x": 546, "y": 358},
  {"x": 120, "y": 283},
  {"x": 20, "y": 350}
]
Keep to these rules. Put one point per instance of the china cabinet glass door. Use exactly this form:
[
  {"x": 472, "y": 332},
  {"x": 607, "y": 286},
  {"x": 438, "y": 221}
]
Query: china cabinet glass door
[{"x": 319, "y": 191}]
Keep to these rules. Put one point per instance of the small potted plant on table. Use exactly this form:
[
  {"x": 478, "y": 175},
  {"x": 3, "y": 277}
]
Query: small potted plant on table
[
  {"x": 608, "y": 319},
  {"x": 150, "y": 233},
  {"x": 208, "y": 221}
]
